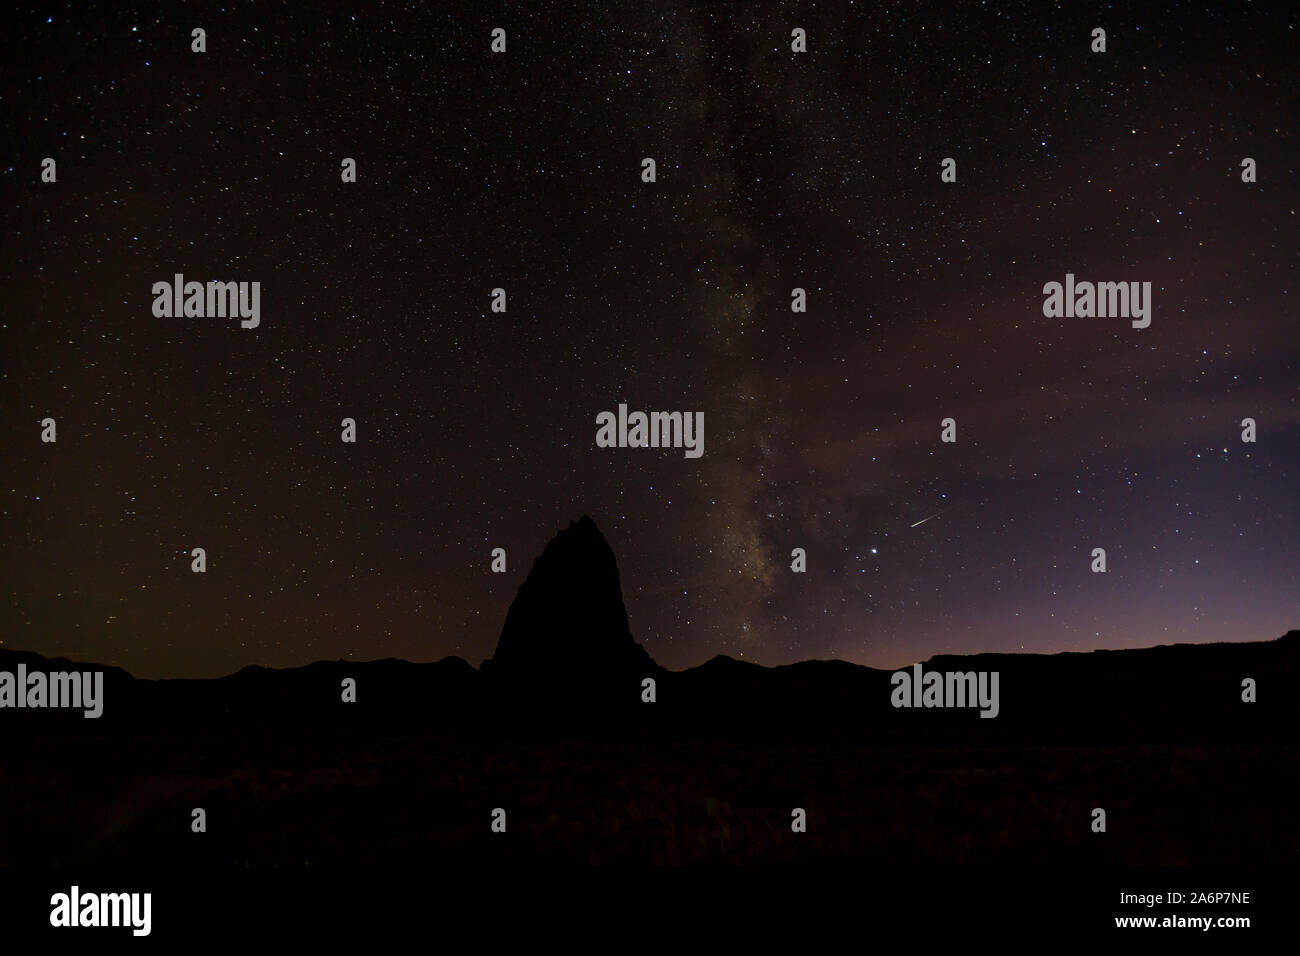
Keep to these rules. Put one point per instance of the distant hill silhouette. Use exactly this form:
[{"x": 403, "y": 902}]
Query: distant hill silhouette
[{"x": 567, "y": 663}]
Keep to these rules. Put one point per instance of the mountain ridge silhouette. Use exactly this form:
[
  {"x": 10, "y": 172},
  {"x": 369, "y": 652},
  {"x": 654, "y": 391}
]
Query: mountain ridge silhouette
[{"x": 566, "y": 662}]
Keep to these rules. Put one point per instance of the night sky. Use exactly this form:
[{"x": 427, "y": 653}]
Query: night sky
[{"x": 477, "y": 429}]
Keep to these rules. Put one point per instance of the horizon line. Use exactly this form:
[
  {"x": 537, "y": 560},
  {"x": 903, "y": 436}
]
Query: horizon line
[{"x": 811, "y": 660}]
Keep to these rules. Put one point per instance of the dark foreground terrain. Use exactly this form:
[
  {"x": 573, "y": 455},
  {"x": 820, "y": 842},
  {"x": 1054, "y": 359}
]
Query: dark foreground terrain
[{"x": 322, "y": 801}]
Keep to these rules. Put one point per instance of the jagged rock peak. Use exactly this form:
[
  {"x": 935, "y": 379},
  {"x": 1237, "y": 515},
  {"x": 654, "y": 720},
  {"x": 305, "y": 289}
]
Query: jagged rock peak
[{"x": 568, "y": 616}]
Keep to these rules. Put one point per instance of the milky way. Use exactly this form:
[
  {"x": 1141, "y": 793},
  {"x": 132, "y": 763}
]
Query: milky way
[{"x": 476, "y": 429}]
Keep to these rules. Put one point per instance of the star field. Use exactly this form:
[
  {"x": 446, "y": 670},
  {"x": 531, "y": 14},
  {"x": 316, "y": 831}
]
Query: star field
[{"x": 476, "y": 429}]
